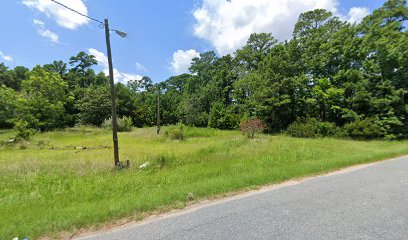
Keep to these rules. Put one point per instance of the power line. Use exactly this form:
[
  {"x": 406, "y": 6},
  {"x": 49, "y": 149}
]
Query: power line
[
  {"x": 65, "y": 6},
  {"x": 105, "y": 25}
]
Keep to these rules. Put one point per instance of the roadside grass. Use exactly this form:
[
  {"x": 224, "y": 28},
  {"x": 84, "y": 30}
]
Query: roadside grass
[{"x": 54, "y": 184}]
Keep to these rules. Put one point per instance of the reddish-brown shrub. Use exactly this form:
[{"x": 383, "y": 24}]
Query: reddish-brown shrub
[{"x": 252, "y": 126}]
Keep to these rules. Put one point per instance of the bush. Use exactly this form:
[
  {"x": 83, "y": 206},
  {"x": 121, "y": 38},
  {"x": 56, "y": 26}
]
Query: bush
[
  {"x": 163, "y": 161},
  {"x": 252, "y": 126},
  {"x": 23, "y": 132},
  {"x": 303, "y": 128},
  {"x": 328, "y": 129},
  {"x": 175, "y": 133},
  {"x": 364, "y": 129},
  {"x": 222, "y": 117},
  {"x": 125, "y": 124},
  {"x": 312, "y": 128}
]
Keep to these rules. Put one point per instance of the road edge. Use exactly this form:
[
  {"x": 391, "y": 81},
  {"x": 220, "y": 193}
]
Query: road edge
[{"x": 211, "y": 201}]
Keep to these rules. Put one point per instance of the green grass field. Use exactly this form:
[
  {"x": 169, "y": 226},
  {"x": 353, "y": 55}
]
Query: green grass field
[{"x": 49, "y": 186}]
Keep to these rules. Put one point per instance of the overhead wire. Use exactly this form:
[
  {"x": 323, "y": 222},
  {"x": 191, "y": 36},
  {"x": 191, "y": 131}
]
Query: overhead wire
[
  {"x": 65, "y": 6},
  {"x": 101, "y": 24}
]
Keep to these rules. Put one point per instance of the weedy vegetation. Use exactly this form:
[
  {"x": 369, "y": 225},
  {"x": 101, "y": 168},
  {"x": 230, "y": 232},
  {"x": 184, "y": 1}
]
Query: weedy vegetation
[{"x": 65, "y": 180}]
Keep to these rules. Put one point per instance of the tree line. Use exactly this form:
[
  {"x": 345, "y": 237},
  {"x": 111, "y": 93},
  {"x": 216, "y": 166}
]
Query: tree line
[{"x": 330, "y": 71}]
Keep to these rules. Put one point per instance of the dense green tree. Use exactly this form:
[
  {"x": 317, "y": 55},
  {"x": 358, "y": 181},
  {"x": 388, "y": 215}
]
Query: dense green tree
[
  {"x": 81, "y": 73},
  {"x": 57, "y": 67},
  {"x": 196, "y": 101},
  {"x": 258, "y": 46},
  {"x": 220, "y": 87},
  {"x": 20, "y": 74},
  {"x": 7, "y": 78},
  {"x": 312, "y": 36},
  {"x": 341, "y": 75},
  {"x": 41, "y": 105},
  {"x": 124, "y": 99},
  {"x": 82, "y": 62},
  {"x": 223, "y": 117},
  {"x": 171, "y": 96},
  {"x": 8, "y": 105},
  {"x": 382, "y": 34},
  {"x": 94, "y": 106},
  {"x": 203, "y": 68}
]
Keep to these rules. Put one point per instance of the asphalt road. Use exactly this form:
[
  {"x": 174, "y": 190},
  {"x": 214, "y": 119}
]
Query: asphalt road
[{"x": 365, "y": 203}]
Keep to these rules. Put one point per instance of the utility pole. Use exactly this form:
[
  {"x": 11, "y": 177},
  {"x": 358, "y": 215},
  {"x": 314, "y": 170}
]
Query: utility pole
[
  {"x": 113, "y": 97},
  {"x": 158, "y": 110},
  {"x": 111, "y": 80}
]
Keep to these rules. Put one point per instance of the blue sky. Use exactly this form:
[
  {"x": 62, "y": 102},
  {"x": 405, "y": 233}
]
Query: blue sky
[{"x": 163, "y": 36}]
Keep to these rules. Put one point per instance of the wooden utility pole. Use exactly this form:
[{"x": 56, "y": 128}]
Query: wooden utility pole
[
  {"x": 111, "y": 80},
  {"x": 113, "y": 97},
  {"x": 158, "y": 110}
]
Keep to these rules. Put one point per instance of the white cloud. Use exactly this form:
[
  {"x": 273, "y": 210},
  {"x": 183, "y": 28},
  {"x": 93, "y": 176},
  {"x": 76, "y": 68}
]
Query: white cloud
[
  {"x": 228, "y": 25},
  {"x": 356, "y": 14},
  {"x": 99, "y": 56},
  {"x": 182, "y": 60},
  {"x": 141, "y": 67},
  {"x": 38, "y": 22},
  {"x": 117, "y": 75},
  {"x": 5, "y": 57},
  {"x": 53, "y": 37},
  {"x": 61, "y": 15}
]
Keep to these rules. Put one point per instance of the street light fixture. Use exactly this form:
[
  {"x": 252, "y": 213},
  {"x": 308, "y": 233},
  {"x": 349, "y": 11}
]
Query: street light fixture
[{"x": 120, "y": 33}]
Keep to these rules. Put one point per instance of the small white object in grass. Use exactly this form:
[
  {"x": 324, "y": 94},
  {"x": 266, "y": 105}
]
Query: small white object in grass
[{"x": 144, "y": 165}]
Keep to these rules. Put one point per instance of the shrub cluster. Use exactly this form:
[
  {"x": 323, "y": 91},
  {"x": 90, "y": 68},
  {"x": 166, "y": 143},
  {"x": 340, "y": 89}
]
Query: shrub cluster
[
  {"x": 362, "y": 129},
  {"x": 125, "y": 124},
  {"x": 176, "y": 132},
  {"x": 251, "y": 127},
  {"x": 23, "y": 132},
  {"x": 312, "y": 128}
]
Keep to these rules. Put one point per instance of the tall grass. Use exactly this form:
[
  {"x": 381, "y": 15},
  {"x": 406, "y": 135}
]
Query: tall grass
[{"x": 62, "y": 186}]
